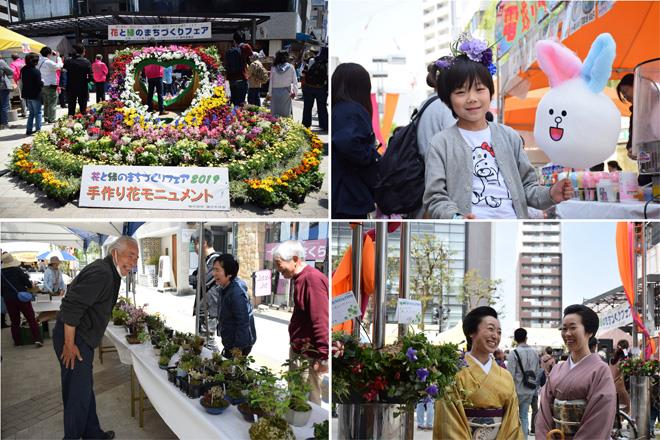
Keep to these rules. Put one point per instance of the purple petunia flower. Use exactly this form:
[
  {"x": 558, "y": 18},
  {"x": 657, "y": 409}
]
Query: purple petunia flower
[
  {"x": 473, "y": 49},
  {"x": 432, "y": 390},
  {"x": 411, "y": 354},
  {"x": 422, "y": 374}
]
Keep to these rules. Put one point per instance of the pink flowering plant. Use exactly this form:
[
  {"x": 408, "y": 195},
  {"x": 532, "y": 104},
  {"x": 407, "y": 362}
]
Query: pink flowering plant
[{"x": 406, "y": 372}]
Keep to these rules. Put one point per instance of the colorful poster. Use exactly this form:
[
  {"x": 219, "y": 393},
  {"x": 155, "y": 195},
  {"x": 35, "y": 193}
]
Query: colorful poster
[
  {"x": 149, "y": 187},
  {"x": 160, "y": 32}
]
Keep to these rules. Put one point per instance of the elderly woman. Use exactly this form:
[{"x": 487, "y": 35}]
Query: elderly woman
[
  {"x": 15, "y": 280},
  {"x": 579, "y": 397},
  {"x": 483, "y": 403},
  {"x": 53, "y": 280},
  {"x": 236, "y": 319}
]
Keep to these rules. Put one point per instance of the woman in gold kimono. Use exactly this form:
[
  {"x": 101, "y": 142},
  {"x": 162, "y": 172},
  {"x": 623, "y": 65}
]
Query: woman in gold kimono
[{"x": 483, "y": 403}]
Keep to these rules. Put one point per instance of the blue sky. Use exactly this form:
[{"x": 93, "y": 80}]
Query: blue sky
[{"x": 589, "y": 263}]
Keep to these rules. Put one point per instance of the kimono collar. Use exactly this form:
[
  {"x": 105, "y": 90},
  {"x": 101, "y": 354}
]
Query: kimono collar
[{"x": 486, "y": 367}]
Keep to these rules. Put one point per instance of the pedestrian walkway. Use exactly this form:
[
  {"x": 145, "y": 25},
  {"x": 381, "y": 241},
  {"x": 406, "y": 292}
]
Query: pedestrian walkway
[
  {"x": 21, "y": 200},
  {"x": 32, "y": 397}
]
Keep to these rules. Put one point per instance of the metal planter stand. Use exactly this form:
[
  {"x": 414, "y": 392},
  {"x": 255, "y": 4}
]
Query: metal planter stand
[{"x": 375, "y": 421}]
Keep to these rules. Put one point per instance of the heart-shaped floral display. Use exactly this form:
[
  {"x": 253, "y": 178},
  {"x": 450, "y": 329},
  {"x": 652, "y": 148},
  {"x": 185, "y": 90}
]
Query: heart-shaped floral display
[
  {"x": 271, "y": 161},
  {"x": 181, "y": 100}
]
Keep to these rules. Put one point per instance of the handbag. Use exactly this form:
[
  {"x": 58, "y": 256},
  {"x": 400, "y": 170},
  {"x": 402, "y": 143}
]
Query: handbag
[{"x": 23, "y": 296}]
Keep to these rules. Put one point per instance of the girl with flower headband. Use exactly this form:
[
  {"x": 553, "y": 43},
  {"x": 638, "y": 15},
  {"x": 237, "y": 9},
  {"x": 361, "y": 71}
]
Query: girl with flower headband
[{"x": 478, "y": 169}]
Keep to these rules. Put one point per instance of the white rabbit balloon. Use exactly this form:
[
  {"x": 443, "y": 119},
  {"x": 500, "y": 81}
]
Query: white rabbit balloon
[{"x": 576, "y": 124}]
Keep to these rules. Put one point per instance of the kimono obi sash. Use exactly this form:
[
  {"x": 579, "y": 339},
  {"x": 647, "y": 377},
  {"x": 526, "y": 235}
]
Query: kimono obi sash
[
  {"x": 484, "y": 423},
  {"x": 567, "y": 415}
]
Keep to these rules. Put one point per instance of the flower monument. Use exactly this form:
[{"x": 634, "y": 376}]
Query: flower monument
[{"x": 271, "y": 161}]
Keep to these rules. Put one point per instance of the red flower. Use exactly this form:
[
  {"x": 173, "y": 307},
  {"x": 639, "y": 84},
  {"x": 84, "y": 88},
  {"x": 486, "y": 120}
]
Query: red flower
[{"x": 357, "y": 368}]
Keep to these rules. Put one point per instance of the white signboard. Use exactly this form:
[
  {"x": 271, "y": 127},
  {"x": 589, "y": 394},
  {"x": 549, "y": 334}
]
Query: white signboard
[
  {"x": 344, "y": 307},
  {"x": 408, "y": 311},
  {"x": 144, "y": 187},
  {"x": 615, "y": 318},
  {"x": 166, "y": 32},
  {"x": 262, "y": 284}
]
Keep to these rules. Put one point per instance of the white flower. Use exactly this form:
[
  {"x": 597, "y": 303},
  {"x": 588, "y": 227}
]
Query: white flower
[{"x": 77, "y": 126}]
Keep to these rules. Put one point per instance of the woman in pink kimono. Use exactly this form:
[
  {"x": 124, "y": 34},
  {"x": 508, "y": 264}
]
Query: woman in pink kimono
[{"x": 579, "y": 397}]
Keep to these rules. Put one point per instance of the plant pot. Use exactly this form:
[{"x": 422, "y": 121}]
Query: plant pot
[
  {"x": 208, "y": 385},
  {"x": 249, "y": 413},
  {"x": 132, "y": 339},
  {"x": 376, "y": 421},
  {"x": 236, "y": 400},
  {"x": 213, "y": 409},
  {"x": 268, "y": 428},
  {"x": 194, "y": 390},
  {"x": 297, "y": 418},
  {"x": 183, "y": 384},
  {"x": 171, "y": 374}
]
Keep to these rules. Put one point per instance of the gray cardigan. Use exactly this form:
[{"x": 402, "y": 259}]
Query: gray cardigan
[{"x": 448, "y": 180}]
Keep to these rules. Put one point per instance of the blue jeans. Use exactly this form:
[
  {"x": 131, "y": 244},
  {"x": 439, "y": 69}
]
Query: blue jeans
[
  {"x": 34, "y": 115},
  {"x": 427, "y": 408},
  {"x": 238, "y": 90},
  {"x": 524, "y": 401},
  {"x": 80, "y": 419},
  {"x": 4, "y": 107},
  {"x": 321, "y": 96},
  {"x": 253, "y": 97}
]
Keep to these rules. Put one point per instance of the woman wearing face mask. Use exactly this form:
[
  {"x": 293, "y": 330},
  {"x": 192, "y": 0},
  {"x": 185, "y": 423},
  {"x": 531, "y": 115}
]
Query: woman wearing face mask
[
  {"x": 483, "y": 403},
  {"x": 579, "y": 397},
  {"x": 235, "y": 316}
]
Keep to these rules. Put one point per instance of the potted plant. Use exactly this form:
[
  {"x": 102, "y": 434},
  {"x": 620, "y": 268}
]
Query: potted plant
[
  {"x": 271, "y": 398},
  {"x": 217, "y": 379},
  {"x": 271, "y": 428},
  {"x": 166, "y": 353},
  {"x": 235, "y": 393},
  {"x": 154, "y": 322},
  {"x": 321, "y": 430},
  {"x": 263, "y": 390},
  {"x": 640, "y": 372},
  {"x": 195, "y": 379},
  {"x": 387, "y": 383},
  {"x": 119, "y": 316},
  {"x": 299, "y": 410},
  {"x": 214, "y": 400}
]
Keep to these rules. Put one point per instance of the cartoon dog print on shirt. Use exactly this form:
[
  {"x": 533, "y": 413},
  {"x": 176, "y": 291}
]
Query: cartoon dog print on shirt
[{"x": 487, "y": 171}]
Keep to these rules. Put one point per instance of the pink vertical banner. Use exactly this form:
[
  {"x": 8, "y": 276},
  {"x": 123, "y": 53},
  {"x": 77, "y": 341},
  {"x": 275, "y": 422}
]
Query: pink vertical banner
[{"x": 375, "y": 122}]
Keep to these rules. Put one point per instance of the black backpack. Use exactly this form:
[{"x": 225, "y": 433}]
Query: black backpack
[
  {"x": 317, "y": 75},
  {"x": 234, "y": 60},
  {"x": 400, "y": 186}
]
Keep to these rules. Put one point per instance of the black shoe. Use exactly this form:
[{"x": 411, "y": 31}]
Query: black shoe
[{"x": 108, "y": 435}]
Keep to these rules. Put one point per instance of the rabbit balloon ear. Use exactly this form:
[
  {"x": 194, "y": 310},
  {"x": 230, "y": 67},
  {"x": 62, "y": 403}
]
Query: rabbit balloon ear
[
  {"x": 598, "y": 65},
  {"x": 557, "y": 61}
]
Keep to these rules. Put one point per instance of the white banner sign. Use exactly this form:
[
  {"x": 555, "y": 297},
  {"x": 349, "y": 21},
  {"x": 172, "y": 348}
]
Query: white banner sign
[
  {"x": 615, "y": 318},
  {"x": 167, "y": 32},
  {"x": 144, "y": 187},
  {"x": 262, "y": 284},
  {"x": 408, "y": 311},
  {"x": 344, "y": 307}
]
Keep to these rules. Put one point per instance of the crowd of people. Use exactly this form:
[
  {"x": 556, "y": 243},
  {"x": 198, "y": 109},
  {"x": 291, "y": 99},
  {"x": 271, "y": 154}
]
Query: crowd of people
[
  {"x": 43, "y": 80},
  {"x": 577, "y": 392}
]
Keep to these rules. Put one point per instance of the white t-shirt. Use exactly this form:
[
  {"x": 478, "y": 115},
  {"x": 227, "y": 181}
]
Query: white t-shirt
[{"x": 490, "y": 195}]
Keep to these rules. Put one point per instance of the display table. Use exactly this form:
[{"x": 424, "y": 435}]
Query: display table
[
  {"x": 186, "y": 417},
  {"x": 604, "y": 210},
  {"x": 117, "y": 335},
  {"x": 47, "y": 306}
]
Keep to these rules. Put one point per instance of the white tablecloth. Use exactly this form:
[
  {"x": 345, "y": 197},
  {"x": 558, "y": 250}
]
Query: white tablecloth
[
  {"x": 47, "y": 306},
  {"x": 604, "y": 210},
  {"x": 185, "y": 416},
  {"x": 117, "y": 335}
]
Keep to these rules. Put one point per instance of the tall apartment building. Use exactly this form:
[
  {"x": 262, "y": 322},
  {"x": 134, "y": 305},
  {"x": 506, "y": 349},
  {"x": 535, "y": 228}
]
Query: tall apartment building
[
  {"x": 443, "y": 21},
  {"x": 539, "y": 270}
]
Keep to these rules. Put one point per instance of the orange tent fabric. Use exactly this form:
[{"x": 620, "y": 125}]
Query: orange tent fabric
[
  {"x": 342, "y": 278},
  {"x": 520, "y": 114},
  {"x": 635, "y": 26},
  {"x": 626, "y": 259}
]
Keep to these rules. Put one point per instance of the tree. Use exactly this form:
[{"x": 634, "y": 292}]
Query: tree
[
  {"x": 430, "y": 273},
  {"x": 477, "y": 290}
]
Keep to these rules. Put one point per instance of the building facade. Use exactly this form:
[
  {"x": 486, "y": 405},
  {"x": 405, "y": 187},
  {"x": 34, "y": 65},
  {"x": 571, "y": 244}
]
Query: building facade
[
  {"x": 451, "y": 235},
  {"x": 539, "y": 296}
]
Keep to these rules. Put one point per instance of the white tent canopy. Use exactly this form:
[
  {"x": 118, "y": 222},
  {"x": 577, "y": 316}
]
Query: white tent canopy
[
  {"x": 59, "y": 43},
  {"x": 39, "y": 232}
]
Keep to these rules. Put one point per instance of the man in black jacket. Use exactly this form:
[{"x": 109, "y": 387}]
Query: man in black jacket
[
  {"x": 78, "y": 74},
  {"x": 81, "y": 322}
]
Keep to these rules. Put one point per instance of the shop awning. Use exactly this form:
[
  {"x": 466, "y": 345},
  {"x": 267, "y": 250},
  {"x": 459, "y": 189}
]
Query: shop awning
[
  {"x": 10, "y": 40},
  {"x": 520, "y": 114},
  {"x": 635, "y": 26}
]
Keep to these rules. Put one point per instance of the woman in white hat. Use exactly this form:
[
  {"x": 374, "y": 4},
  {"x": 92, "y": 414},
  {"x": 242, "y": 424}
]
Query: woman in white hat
[
  {"x": 15, "y": 280},
  {"x": 53, "y": 280}
]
